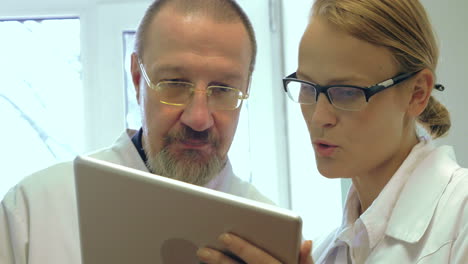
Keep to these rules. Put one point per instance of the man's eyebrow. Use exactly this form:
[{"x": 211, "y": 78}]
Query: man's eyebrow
[{"x": 332, "y": 81}]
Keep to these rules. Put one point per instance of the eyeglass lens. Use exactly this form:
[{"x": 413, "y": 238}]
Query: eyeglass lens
[
  {"x": 180, "y": 93},
  {"x": 346, "y": 98}
]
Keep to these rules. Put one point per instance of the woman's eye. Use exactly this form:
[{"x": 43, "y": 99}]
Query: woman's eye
[
  {"x": 307, "y": 89},
  {"x": 349, "y": 92}
]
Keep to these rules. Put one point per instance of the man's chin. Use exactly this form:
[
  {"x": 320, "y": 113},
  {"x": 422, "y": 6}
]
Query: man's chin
[
  {"x": 197, "y": 156},
  {"x": 191, "y": 166}
]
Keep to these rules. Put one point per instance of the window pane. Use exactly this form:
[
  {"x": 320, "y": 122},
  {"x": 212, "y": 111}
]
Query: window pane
[
  {"x": 40, "y": 95},
  {"x": 133, "y": 117},
  {"x": 239, "y": 154}
]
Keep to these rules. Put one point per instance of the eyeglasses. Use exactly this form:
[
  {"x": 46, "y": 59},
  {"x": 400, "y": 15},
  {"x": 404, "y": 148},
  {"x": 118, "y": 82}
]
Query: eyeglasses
[
  {"x": 345, "y": 97},
  {"x": 179, "y": 93}
]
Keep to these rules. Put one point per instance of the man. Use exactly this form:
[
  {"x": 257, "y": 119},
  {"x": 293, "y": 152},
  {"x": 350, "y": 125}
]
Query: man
[{"x": 191, "y": 70}]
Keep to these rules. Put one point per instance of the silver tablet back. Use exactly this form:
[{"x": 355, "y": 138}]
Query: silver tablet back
[{"x": 130, "y": 216}]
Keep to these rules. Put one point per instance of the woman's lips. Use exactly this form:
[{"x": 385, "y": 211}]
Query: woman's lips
[{"x": 324, "y": 148}]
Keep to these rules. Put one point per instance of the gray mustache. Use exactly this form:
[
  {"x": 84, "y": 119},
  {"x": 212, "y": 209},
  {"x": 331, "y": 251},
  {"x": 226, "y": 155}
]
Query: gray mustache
[{"x": 187, "y": 133}]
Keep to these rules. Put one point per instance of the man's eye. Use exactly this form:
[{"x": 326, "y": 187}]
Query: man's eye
[
  {"x": 174, "y": 80},
  {"x": 223, "y": 89},
  {"x": 220, "y": 90}
]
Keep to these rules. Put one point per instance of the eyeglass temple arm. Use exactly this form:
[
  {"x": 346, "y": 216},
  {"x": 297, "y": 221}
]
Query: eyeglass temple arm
[
  {"x": 143, "y": 72},
  {"x": 396, "y": 80},
  {"x": 403, "y": 77}
]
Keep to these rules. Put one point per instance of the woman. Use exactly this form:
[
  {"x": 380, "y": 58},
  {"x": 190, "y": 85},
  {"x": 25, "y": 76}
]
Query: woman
[{"x": 364, "y": 81}]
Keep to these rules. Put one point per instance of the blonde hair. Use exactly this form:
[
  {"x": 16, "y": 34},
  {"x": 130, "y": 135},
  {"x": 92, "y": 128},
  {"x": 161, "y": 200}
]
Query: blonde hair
[{"x": 404, "y": 28}]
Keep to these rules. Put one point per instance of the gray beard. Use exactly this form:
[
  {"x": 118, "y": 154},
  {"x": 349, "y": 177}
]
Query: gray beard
[{"x": 190, "y": 167}]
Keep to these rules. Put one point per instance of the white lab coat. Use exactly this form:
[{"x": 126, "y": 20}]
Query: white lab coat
[
  {"x": 429, "y": 223},
  {"x": 38, "y": 217}
]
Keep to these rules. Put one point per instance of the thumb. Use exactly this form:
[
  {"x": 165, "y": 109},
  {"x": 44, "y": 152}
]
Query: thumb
[{"x": 305, "y": 253}]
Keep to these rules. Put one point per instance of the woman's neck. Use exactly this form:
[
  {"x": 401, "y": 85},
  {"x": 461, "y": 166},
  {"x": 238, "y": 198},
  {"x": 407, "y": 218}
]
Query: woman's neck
[{"x": 369, "y": 185}]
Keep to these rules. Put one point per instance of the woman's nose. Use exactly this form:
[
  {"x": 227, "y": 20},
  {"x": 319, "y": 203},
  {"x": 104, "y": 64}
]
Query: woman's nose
[{"x": 324, "y": 114}]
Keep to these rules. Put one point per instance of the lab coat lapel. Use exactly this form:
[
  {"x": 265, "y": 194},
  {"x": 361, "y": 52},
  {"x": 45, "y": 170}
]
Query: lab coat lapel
[{"x": 420, "y": 195}]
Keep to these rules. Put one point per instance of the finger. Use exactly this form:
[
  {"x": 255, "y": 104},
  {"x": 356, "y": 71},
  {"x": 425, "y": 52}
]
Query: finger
[
  {"x": 246, "y": 251},
  {"x": 211, "y": 256},
  {"x": 305, "y": 253}
]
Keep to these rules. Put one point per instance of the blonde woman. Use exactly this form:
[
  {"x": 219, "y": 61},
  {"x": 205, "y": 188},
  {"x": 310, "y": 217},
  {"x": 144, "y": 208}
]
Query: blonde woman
[{"x": 364, "y": 82}]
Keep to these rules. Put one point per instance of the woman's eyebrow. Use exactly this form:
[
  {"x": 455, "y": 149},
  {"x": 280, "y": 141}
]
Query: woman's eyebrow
[{"x": 336, "y": 80}]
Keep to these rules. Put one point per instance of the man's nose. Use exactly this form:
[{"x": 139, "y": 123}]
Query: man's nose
[
  {"x": 324, "y": 112},
  {"x": 197, "y": 113}
]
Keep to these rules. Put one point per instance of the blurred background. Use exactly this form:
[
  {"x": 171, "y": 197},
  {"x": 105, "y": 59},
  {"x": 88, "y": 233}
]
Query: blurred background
[{"x": 65, "y": 90}]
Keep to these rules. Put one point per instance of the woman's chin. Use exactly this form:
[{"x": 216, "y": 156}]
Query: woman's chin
[{"x": 331, "y": 172}]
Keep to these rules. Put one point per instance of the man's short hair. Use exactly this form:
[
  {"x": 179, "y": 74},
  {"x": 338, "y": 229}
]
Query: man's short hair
[{"x": 219, "y": 10}]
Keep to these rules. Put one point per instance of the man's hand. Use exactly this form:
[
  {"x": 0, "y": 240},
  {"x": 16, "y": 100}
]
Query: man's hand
[{"x": 249, "y": 253}]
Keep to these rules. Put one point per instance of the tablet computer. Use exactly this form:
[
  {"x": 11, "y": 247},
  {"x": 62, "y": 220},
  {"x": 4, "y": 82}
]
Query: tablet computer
[{"x": 131, "y": 216}]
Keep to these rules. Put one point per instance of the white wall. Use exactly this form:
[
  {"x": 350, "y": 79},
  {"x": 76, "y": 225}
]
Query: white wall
[{"x": 450, "y": 22}]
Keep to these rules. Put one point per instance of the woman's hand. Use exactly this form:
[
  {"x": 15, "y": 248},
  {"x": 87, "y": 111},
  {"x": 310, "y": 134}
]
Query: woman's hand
[
  {"x": 305, "y": 254},
  {"x": 247, "y": 252}
]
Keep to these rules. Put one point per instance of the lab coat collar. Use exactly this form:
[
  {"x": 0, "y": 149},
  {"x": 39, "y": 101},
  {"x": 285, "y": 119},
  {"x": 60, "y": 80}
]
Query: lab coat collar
[
  {"x": 417, "y": 202},
  {"x": 219, "y": 182}
]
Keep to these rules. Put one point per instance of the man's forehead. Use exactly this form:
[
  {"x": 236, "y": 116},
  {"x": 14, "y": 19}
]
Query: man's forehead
[
  {"x": 227, "y": 74},
  {"x": 180, "y": 35},
  {"x": 222, "y": 11},
  {"x": 168, "y": 25},
  {"x": 166, "y": 14}
]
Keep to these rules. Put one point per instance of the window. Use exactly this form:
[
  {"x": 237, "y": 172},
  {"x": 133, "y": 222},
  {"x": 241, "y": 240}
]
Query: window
[
  {"x": 40, "y": 95},
  {"x": 132, "y": 111}
]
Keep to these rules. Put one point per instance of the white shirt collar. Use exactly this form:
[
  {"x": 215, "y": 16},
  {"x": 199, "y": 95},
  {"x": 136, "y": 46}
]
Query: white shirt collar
[{"x": 219, "y": 182}]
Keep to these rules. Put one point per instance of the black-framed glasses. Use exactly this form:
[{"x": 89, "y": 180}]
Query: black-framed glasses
[
  {"x": 345, "y": 97},
  {"x": 179, "y": 93}
]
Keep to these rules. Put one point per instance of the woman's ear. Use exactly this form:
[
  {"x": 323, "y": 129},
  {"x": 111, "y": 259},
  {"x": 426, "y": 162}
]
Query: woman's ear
[{"x": 421, "y": 90}]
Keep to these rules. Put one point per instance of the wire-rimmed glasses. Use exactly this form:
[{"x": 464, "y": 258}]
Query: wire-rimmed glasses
[{"x": 179, "y": 93}]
